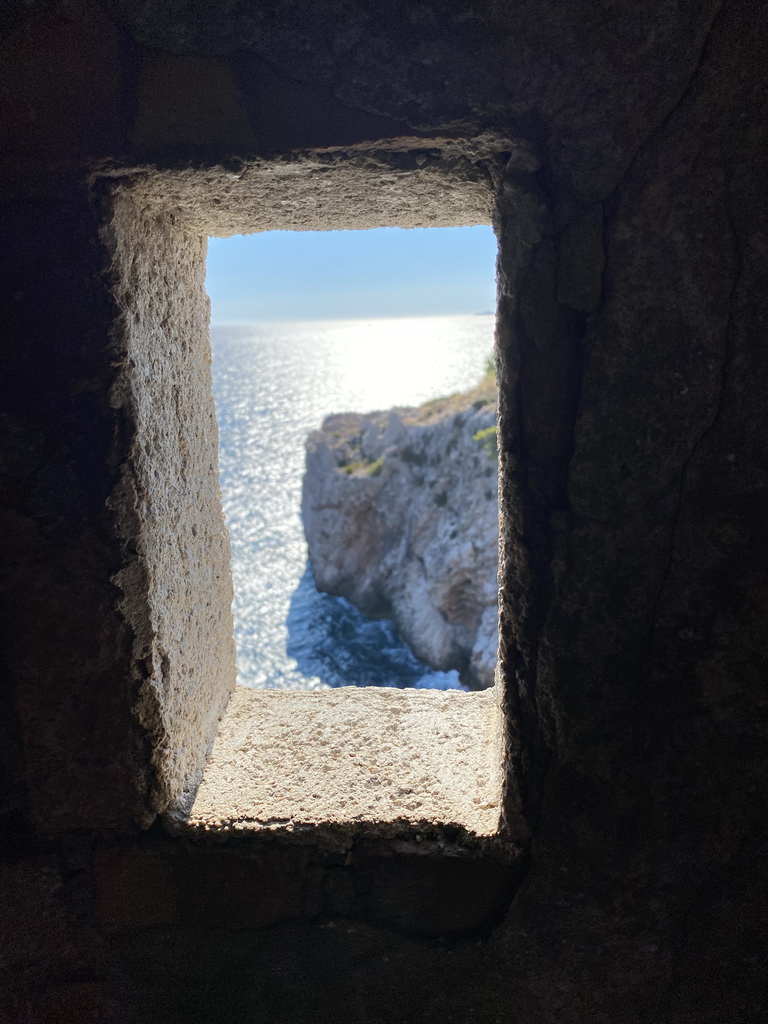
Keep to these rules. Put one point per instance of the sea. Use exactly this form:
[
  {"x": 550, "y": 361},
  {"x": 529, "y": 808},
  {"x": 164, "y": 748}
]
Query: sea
[{"x": 273, "y": 385}]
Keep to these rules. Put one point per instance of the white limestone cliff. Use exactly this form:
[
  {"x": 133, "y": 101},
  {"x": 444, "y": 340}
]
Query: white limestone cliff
[{"x": 400, "y": 513}]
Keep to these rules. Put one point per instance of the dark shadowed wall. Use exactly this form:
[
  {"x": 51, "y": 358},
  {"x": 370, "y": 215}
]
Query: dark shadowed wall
[{"x": 621, "y": 151}]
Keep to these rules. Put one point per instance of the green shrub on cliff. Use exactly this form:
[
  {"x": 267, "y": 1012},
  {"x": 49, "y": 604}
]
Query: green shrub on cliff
[{"x": 488, "y": 439}]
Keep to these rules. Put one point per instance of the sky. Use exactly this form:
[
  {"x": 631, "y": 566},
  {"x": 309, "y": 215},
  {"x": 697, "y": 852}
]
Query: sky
[{"x": 335, "y": 275}]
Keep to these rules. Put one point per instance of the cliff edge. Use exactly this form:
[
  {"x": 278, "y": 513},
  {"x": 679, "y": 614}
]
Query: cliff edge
[{"x": 400, "y": 513}]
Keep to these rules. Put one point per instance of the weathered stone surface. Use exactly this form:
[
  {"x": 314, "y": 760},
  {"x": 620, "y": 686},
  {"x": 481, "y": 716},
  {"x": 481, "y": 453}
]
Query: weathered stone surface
[
  {"x": 63, "y": 638},
  {"x": 590, "y": 82},
  {"x": 331, "y": 765},
  {"x": 54, "y": 965},
  {"x": 633, "y": 480},
  {"x": 400, "y": 513},
  {"x": 175, "y": 584}
]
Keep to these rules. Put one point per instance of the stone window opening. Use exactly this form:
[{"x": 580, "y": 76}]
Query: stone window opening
[
  {"x": 332, "y": 765},
  {"x": 356, "y": 400}
]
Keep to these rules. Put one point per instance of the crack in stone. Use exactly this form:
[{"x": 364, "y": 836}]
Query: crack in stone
[
  {"x": 660, "y": 127},
  {"x": 612, "y": 199},
  {"x": 610, "y": 204}
]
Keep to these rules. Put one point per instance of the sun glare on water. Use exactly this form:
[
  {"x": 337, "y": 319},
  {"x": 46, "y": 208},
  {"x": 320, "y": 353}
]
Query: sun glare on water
[
  {"x": 399, "y": 361},
  {"x": 275, "y": 384}
]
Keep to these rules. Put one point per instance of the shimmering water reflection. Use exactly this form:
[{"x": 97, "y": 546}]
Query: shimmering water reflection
[{"x": 274, "y": 384}]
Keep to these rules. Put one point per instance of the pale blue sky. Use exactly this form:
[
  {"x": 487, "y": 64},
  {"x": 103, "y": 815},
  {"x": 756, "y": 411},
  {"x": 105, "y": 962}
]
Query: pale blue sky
[{"x": 333, "y": 275}]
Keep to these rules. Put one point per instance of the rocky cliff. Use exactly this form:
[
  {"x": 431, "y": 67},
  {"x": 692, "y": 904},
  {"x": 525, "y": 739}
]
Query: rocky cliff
[{"x": 400, "y": 513}]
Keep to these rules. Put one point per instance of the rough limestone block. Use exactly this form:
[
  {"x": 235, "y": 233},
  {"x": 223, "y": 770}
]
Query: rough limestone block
[{"x": 383, "y": 761}]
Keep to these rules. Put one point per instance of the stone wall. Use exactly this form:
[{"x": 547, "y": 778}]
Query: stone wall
[
  {"x": 621, "y": 153},
  {"x": 174, "y": 582}
]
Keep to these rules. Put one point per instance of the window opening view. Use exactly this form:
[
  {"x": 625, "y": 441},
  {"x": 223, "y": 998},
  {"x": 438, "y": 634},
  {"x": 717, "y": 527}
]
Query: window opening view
[{"x": 356, "y": 402}]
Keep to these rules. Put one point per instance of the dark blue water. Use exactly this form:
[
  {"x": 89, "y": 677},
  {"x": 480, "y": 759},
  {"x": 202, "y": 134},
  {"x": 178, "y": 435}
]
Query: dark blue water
[
  {"x": 332, "y": 641},
  {"x": 273, "y": 385}
]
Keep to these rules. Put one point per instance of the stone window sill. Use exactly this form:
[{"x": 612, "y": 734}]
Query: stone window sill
[{"x": 337, "y": 765}]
